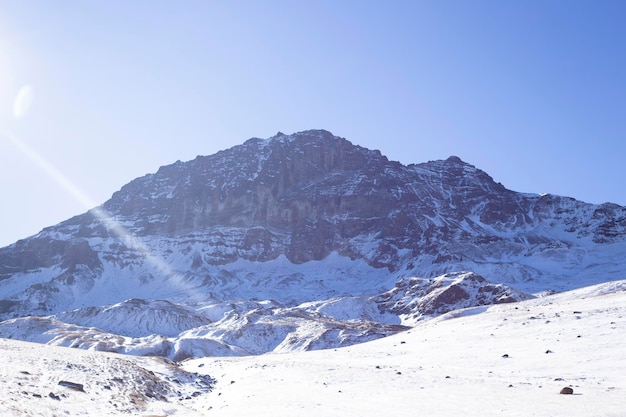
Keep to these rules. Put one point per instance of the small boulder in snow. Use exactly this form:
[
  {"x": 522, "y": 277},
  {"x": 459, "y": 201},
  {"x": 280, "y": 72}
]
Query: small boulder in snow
[{"x": 72, "y": 385}]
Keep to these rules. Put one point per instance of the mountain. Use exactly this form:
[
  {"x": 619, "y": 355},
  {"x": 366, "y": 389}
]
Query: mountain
[{"x": 296, "y": 242}]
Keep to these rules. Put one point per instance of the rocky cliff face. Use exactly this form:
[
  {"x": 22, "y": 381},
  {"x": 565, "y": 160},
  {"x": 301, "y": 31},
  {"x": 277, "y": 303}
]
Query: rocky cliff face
[{"x": 303, "y": 217}]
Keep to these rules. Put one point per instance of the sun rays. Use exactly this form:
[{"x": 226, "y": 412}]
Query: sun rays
[
  {"x": 128, "y": 238},
  {"x": 50, "y": 170}
]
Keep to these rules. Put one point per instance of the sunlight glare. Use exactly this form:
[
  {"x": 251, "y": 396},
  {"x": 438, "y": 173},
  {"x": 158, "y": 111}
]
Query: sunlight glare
[{"x": 112, "y": 225}]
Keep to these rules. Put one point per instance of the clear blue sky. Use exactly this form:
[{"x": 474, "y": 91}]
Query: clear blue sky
[{"x": 96, "y": 93}]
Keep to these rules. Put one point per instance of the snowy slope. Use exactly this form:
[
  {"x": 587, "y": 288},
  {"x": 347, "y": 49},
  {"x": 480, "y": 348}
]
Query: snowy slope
[
  {"x": 137, "y": 318},
  {"x": 509, "y": 359},
  {"x": 247, "y": 327},
  {"x": 37, "y": 380}
]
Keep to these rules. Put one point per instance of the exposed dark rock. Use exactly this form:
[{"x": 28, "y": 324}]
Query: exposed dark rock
[
  {"x": 567, "y": 390},
  {"x": 427, "y": 297},
  {"x": 72, "y": 385},
  {"x": 78, "y": 252}
]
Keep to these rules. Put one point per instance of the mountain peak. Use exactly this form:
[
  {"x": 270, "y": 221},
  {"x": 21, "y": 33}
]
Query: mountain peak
[{"x": 455, "y": 159}]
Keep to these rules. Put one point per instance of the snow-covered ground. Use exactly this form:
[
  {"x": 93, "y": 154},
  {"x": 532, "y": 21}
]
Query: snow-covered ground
[
  {"x": 502, "y": 360},
  {"x": 41, "y": 380}
]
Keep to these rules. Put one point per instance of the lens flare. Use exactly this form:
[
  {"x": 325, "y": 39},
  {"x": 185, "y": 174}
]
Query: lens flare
[
  {"x": 130, "y": 240},
  {"x": 50, "y": 170},
  {"x": 23, "y": 101}
]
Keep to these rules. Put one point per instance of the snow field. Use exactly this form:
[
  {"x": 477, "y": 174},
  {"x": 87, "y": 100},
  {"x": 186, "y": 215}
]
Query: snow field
[{"x": 509, "y": 360}]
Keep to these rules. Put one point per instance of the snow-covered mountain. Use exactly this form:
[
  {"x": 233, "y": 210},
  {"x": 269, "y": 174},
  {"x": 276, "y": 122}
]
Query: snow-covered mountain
[{"x": 296, "y": 242}]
